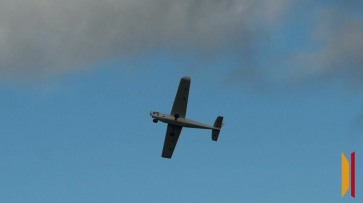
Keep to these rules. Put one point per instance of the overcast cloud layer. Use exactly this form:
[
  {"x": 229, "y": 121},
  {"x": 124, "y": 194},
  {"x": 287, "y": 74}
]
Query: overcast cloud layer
[{"x": 39, "y": 38}]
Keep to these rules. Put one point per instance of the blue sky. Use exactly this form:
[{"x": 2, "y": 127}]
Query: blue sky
[{"x": 81, "y": 134}]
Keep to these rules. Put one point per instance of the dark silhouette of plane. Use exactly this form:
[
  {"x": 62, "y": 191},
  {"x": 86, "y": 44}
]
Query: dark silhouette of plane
[{"x": 176, "y": 119}]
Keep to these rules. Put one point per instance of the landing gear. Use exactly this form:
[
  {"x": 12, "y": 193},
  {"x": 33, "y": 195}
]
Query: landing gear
[
  {"x": 155, "y": 120},
  {"x": 176, "y": 116}
]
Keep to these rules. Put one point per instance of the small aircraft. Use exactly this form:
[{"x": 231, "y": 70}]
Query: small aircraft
[{"x": 176, "y": 119}]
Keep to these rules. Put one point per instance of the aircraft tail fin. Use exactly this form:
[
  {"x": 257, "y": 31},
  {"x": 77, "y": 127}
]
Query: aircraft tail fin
[{"x": 218, "y": 124}]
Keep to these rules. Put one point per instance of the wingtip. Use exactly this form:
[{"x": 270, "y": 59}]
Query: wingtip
[
  {"x": 166, "y": 157},
  {"x": 186, "y": 78}
]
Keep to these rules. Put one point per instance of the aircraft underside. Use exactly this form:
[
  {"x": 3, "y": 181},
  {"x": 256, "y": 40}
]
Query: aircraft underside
[{"x": 176, "y": 119}]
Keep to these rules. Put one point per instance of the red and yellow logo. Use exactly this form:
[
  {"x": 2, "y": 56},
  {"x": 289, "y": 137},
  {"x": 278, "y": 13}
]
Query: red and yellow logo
[{"x": 345, "y": 174}]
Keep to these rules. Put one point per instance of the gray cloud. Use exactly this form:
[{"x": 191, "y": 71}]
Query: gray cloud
[
  {"x": 40, "y": 38},
  {"x": 48, "y": 37},
  {"x": 339, "y": 36}
]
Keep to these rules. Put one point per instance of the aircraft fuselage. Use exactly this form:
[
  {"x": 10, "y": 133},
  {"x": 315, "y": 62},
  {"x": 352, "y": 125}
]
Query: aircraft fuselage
[{"x": 182, "y": 122}]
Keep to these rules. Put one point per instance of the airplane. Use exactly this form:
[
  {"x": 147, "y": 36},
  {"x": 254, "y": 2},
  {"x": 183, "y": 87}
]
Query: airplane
[{"x": 176, "y": 119}]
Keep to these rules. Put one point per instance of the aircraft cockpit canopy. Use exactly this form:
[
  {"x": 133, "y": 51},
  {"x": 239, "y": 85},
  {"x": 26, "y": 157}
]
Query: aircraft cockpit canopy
[{"x": 154, "y": 113}]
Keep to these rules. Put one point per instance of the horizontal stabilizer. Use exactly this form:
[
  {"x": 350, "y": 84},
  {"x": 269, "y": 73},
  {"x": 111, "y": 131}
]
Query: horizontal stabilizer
[
  {"x": 215, "y": 134},
  {"x": 218, "y": 124}
]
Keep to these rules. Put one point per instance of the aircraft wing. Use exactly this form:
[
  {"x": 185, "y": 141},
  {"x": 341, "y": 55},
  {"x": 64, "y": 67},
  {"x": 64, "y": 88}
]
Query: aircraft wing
[
  {"x": 181, "y": 98},
  {"x": 171, "y": 140}
]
